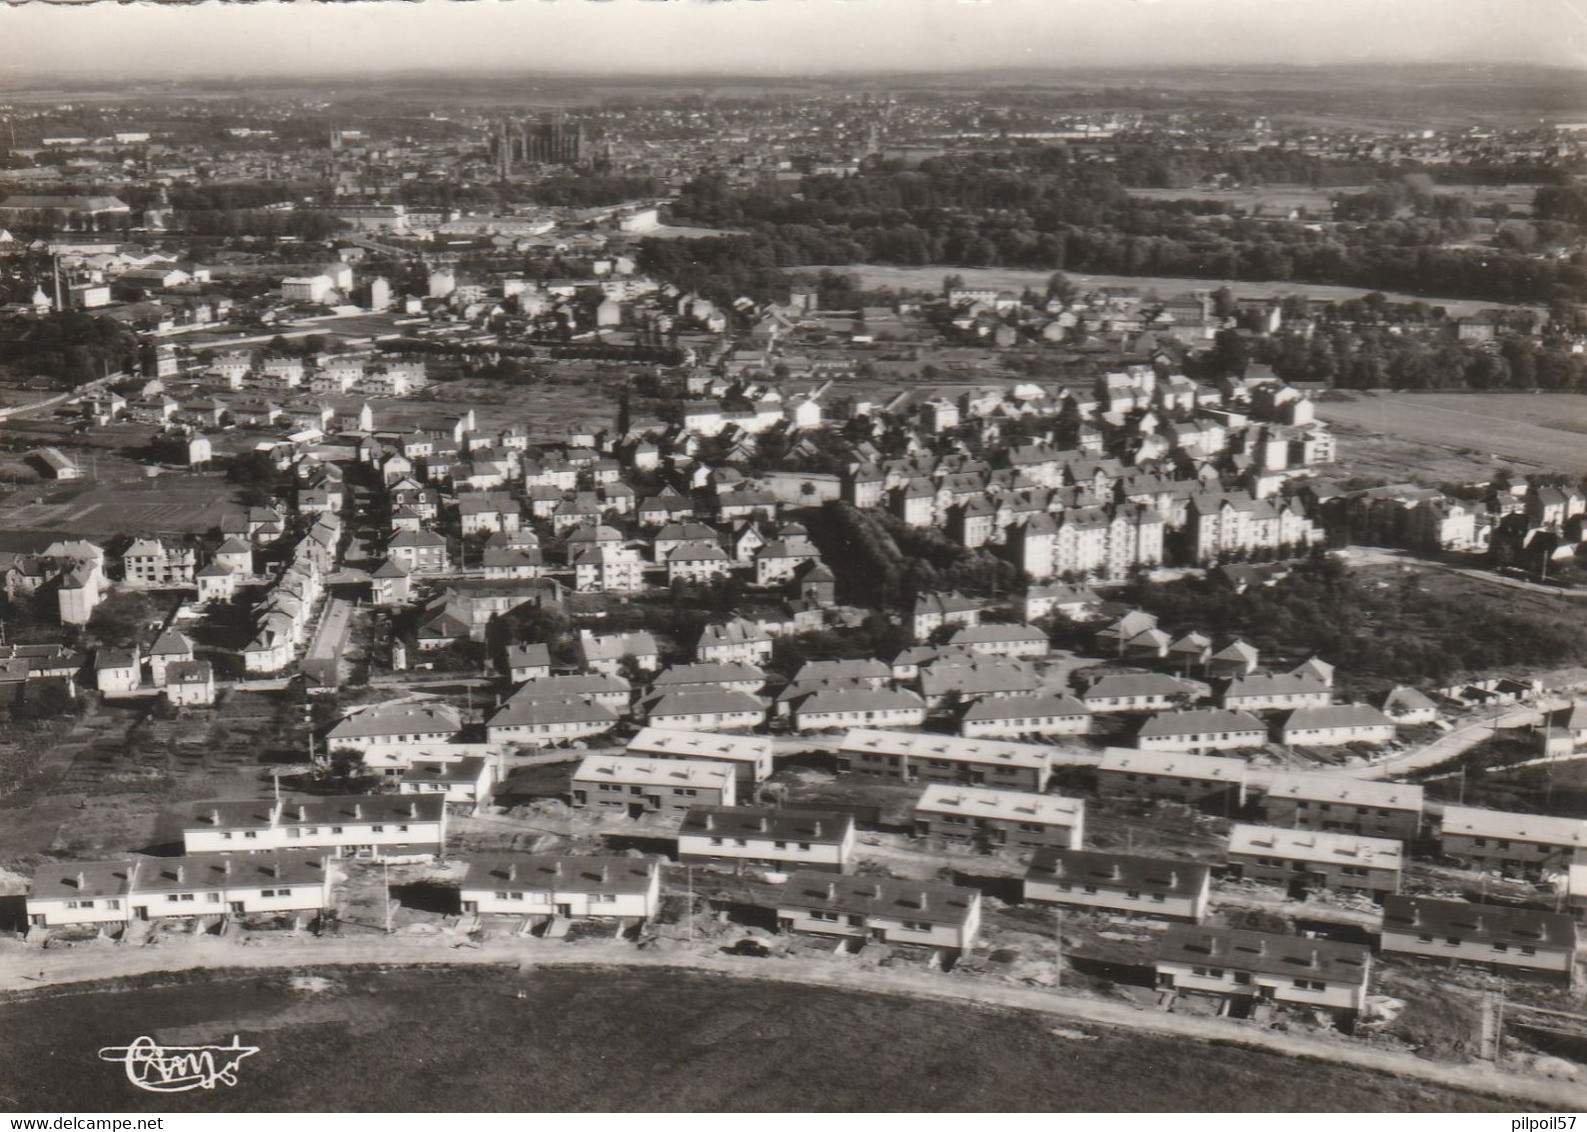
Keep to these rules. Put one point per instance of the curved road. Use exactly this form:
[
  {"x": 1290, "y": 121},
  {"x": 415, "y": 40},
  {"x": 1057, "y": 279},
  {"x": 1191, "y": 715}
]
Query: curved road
[{"x": 22, "y": 967}]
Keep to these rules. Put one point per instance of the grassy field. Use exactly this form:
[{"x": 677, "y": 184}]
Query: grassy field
[
  {"x": 930, "y": 279},
  {"x": 628, "y": 1041},
  {"x": 172, "y": 504},
  {"x": 1535, "y": 431}
]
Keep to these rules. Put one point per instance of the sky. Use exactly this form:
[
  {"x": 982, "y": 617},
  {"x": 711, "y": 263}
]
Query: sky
[{"x": 769, "y": 37}]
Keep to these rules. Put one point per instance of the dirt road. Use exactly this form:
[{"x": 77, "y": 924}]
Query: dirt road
[{"x": 23, "y": 967}]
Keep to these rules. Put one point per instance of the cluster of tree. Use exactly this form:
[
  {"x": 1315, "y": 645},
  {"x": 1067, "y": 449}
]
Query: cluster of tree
[
  {"x": 1399, "y": 634},
  {"x": 302, "y": 224},
  {"x": 1377, "y": 359},
  {"x": 68, "y": 347},
  {"x": 257, "y": 478},
  {"x": 592, "y": 190},
  {"x": 1566, "y": 203},
  {"x": 1038, "y": 210}
]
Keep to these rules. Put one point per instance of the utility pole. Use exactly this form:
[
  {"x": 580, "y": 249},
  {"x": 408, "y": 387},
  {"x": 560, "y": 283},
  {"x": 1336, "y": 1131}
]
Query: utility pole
[
  {"x": 689, "y": 929},
  {"x": 1058, "y": 938}
]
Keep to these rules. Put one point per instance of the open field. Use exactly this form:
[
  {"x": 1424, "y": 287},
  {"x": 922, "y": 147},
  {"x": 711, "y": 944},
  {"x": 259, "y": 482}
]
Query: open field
[
  {"x": 930, "y": 279},
  {"x": 174, "y": 504},
  {"x": 581, "y": 1040},
  {"x": 1537, "y": 432}
]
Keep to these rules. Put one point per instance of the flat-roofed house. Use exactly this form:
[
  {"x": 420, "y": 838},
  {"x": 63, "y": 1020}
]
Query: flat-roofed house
[
  {"x": 1118, "y": 882},
  {"x": 571, "y": 887},
  {"x": 467, "y": 779},
  {"x": 1011, "y": 716},
  {"x": 999, "y": 819},
  {"x": 922, "y": 913},
  {"x": 749, "y": 756},
  {"x": 763, "y": 838},
  {"x": 1346, "y": 862},
  {"x": 1512, "y": 842},
  {"x": 1336, "y": 724},
  {"x": 944, "y": 758},
  {"x": 640, "y": 786},
  {"x": 1493, "y": 935},
  {"x": 357, "y": 825},
  {"x": 1237, "y": 964},
  {"x": 1347, "y": 805},
  {"x": 1172, "y": 776},
  {"x": 1201, "y": 729}
]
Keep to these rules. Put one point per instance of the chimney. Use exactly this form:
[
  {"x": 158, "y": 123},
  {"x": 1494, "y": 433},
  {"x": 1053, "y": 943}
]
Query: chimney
[
  {"x": 413, "y": 808},
  {"x": 710, "y": 821},
  {"x": 214, "y": 817},
  {"x": 1173, "y": 879},
  {"x": 832, "y": 890},
  {"x": 181, "y": 874},
  {"x": 816, "y": 829},
  {"x": 512, "y": 870},
  {"x": 1314, "y": 963},
  {"x": 1118, "y": 873},
  {"x": 82, "y": 880},
  {"x": 358, "y": 809},
  {"x": 924, "y": 900},
  {"x": 303, "y": 812},
  {"x": 557, "y": 869},
  {"x": 765, "y": 823},
  {"x": 606, "y": 874}
]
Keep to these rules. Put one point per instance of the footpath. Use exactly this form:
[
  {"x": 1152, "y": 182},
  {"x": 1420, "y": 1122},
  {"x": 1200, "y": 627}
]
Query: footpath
[{"x": 24, "y": 969}]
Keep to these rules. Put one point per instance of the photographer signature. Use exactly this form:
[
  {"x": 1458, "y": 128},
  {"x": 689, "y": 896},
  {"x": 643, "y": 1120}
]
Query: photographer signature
[{"x": 178, "y": 1069}]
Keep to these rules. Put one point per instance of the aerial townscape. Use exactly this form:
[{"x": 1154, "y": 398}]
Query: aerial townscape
[{"x": 1108, "y": 552}]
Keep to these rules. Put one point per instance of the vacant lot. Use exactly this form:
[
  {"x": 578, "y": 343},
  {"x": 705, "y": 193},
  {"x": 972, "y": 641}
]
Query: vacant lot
[
  {"x": 633, "y": 1041},
  {"x": 1537, "y": 432},
  {"x": 930, "y": 279}
]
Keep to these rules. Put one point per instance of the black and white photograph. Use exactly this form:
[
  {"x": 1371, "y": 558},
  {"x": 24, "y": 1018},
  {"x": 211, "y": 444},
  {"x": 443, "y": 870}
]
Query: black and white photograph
[{"x": 735, "y": 557}]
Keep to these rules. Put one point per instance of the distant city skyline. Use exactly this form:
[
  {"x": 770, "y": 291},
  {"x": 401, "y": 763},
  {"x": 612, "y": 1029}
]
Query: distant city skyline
[{"x": 74, "y": 41}]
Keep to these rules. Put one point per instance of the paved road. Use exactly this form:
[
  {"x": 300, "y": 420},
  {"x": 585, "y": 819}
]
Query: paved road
[
  {"x": 332, "y": 633},
  {"x": 1447, "y": 746},
  {"x": 21, "y": 967}
]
